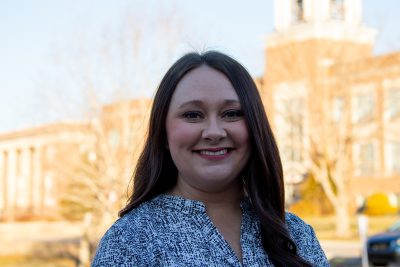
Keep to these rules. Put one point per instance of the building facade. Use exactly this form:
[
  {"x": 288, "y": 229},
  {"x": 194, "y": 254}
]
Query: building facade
[
  {"x": 29, "y": 180},
  {"x": 39, "y": 166},
  {"x": 329, "y": 96}
]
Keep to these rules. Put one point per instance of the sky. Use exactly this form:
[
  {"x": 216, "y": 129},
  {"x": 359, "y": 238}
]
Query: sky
[{"x": 42, "y": 41}]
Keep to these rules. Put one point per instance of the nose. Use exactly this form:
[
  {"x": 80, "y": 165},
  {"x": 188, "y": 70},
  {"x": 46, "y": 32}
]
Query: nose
[{"x": 214, "y": 130}]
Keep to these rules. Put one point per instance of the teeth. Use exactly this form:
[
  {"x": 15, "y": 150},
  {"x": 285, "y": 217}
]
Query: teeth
[{"x": 214, "y": 153}]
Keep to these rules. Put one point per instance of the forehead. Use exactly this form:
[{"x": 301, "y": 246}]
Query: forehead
[{"x": 205, "y": 84}]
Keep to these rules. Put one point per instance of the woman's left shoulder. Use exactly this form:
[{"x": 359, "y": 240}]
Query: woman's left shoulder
[
  {"x": 294, "y": 222},
  {"x": 306, "y": 241},
  {"x": 298, "y": 229}
]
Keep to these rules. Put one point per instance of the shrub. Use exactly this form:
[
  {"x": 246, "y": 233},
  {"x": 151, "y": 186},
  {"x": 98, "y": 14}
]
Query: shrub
[
  {"x": 380, "y": 204},
  {"x": 306, "y": 208}
]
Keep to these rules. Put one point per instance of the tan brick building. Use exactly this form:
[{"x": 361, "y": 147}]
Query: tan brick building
[
  {"x": 324, "y": 89},
  {"x": 38, "y": 164},
  {"x": 29, "y": 180}
]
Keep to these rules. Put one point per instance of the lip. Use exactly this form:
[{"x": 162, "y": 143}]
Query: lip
[{"x": 215, "y": 153}]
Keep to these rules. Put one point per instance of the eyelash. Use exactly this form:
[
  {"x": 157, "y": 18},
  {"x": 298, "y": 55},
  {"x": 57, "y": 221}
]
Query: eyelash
[
  {"x": 233, "y": 113},
  {"x": 230, "y": 115},
  {"x": 190, "y": 115}
]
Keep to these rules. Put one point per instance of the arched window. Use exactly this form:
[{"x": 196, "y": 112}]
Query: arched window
[
  {"x": 337, "y": 9},
  {"x": 297, "y": 11}
]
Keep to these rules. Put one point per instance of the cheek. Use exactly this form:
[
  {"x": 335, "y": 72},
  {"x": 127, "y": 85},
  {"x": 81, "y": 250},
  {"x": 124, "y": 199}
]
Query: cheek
[
  {"x": 180, "y": 134},
  {"x": 240, "y": 135}
]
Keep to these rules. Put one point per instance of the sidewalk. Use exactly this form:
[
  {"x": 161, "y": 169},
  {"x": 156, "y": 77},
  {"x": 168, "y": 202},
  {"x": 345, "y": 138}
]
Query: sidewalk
[
  {"x": 341, "y": 249},
  {"x": 29, "y": 237}
]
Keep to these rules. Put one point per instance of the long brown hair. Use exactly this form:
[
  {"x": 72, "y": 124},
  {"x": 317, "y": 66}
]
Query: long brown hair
[{"x": 156, "y": 173}]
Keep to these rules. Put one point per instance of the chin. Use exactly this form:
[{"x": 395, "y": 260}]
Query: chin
[{"x": 216, "y": 182}]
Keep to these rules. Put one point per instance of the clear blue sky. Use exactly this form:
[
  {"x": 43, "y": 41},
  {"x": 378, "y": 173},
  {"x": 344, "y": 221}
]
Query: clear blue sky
[{"x": 33, "y": 32}]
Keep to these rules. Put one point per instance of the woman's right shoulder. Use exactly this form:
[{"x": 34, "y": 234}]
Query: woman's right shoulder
[
  {"x": 137, "y": 223},
  {"x": 127, "y": 240}
]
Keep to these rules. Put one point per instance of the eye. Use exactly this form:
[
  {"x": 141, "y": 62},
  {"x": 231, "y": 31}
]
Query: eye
[
  {"x": 192, "y": 116},
  {"x": 233, "y": 114}
]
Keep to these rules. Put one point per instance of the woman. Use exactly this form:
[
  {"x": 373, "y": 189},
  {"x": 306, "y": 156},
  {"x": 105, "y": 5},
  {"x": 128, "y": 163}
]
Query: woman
[{"x": 208, "y": 187}]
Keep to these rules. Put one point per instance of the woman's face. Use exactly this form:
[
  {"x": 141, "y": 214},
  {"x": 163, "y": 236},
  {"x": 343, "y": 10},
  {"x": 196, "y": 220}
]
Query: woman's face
[{"x": 206, "y": 131}]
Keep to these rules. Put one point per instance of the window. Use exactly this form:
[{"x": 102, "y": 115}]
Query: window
[
  {"x": 337, "y": 109},
  {"x": 393, "y": 157},
  {"x": 293, "y": 120},
  {"x": 337, "y": 9},
  {"x": 113, "y": 138},
  {"x": 364, "y": 107},
  {"x": 393, "y": 102},
  {"x": 366, "y": 159},
  {"x": 297, "y": 11}
]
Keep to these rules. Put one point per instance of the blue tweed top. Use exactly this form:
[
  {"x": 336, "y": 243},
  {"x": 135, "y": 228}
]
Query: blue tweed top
[{"x": 173, "y": 231}]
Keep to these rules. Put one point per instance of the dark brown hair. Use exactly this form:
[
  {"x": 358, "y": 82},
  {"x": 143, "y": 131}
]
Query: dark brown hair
[{"x": 263, "y": 178}]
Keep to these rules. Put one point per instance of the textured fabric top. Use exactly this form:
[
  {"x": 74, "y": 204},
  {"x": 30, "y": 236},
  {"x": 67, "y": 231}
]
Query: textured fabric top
[{"x": 173, "y": 231}]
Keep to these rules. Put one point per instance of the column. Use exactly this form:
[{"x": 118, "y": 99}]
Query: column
[
  {"x": 30, "y": 179},
  {"x": 11, "y": 184},
  {"x": 23, "y": 186},
  {"x": 3, "y": 183},
  {"x": 37, "y": 180}
]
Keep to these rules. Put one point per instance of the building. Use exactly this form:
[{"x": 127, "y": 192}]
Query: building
[
  {"x": 29, "y": 180},
  {"x": 38, "y": 165},
  {"x": 329, "y": 97}
]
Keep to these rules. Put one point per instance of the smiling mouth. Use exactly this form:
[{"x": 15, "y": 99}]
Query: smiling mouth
[{"x": 214, "y": 153}]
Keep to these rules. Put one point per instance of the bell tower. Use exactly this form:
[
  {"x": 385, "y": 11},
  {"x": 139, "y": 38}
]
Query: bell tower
[
  {"x": 311, "y": 37},
  {"x": 310, "y": 34},
  {"x": 289, "y": 13}
]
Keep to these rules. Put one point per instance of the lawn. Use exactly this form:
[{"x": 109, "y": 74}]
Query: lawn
[
  {"x": 23, "y": 261},
  {"x": 325, "y": 226}
]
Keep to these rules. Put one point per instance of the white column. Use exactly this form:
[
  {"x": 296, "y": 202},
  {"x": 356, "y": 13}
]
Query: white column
[
  {"x": 282, "y": 14},
  {"x": 23, "y": 183},
  {"x": 308, "y": 9},
  {"x": 37, "y": 179},
  {"x": 11, "y": 184},
  {"x": 30, "y": 178},
  {"x": 321, "y": 10},
  {"x": 353, "y": 12},
  {"x": 3, "y": 184}
]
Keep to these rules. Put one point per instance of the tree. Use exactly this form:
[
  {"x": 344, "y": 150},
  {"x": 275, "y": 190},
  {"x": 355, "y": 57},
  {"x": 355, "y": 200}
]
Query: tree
[
  {"x": 301, "y": 85},
  {"x": 129, "y": 60}
]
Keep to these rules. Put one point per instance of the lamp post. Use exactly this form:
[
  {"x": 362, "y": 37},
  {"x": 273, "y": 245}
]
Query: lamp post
[{"x": 363, "y": 229}]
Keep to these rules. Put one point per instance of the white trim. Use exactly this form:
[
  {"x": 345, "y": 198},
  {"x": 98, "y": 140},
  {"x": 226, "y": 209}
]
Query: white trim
[{"x": 329, "y": 30}]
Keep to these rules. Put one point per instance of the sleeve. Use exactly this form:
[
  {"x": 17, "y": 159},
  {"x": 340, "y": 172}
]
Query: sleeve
[
  {"x": 113, "y": 250},
  {"x": 308, "y": 246},
  {"x": 317, "y": 256}
]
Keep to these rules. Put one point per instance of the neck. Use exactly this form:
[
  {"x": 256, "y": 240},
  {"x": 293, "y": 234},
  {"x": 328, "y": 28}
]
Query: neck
[{"x": 227, "y": 198}]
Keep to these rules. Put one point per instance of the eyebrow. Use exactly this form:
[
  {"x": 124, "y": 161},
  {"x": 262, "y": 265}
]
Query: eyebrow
[{"x": 200, "y": 103}]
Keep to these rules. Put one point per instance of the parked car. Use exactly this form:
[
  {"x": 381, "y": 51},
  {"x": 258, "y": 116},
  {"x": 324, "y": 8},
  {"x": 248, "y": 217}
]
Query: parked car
[{"x": 384, "y": 248}]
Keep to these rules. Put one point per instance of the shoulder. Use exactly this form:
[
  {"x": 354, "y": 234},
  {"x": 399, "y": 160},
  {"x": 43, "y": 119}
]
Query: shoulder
[
  {"x": 306, "y": 241},
  {"x": 295, "y": 224},
  {"x": 126, "y": 242},
  {"x": 299, "y": 230}
]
